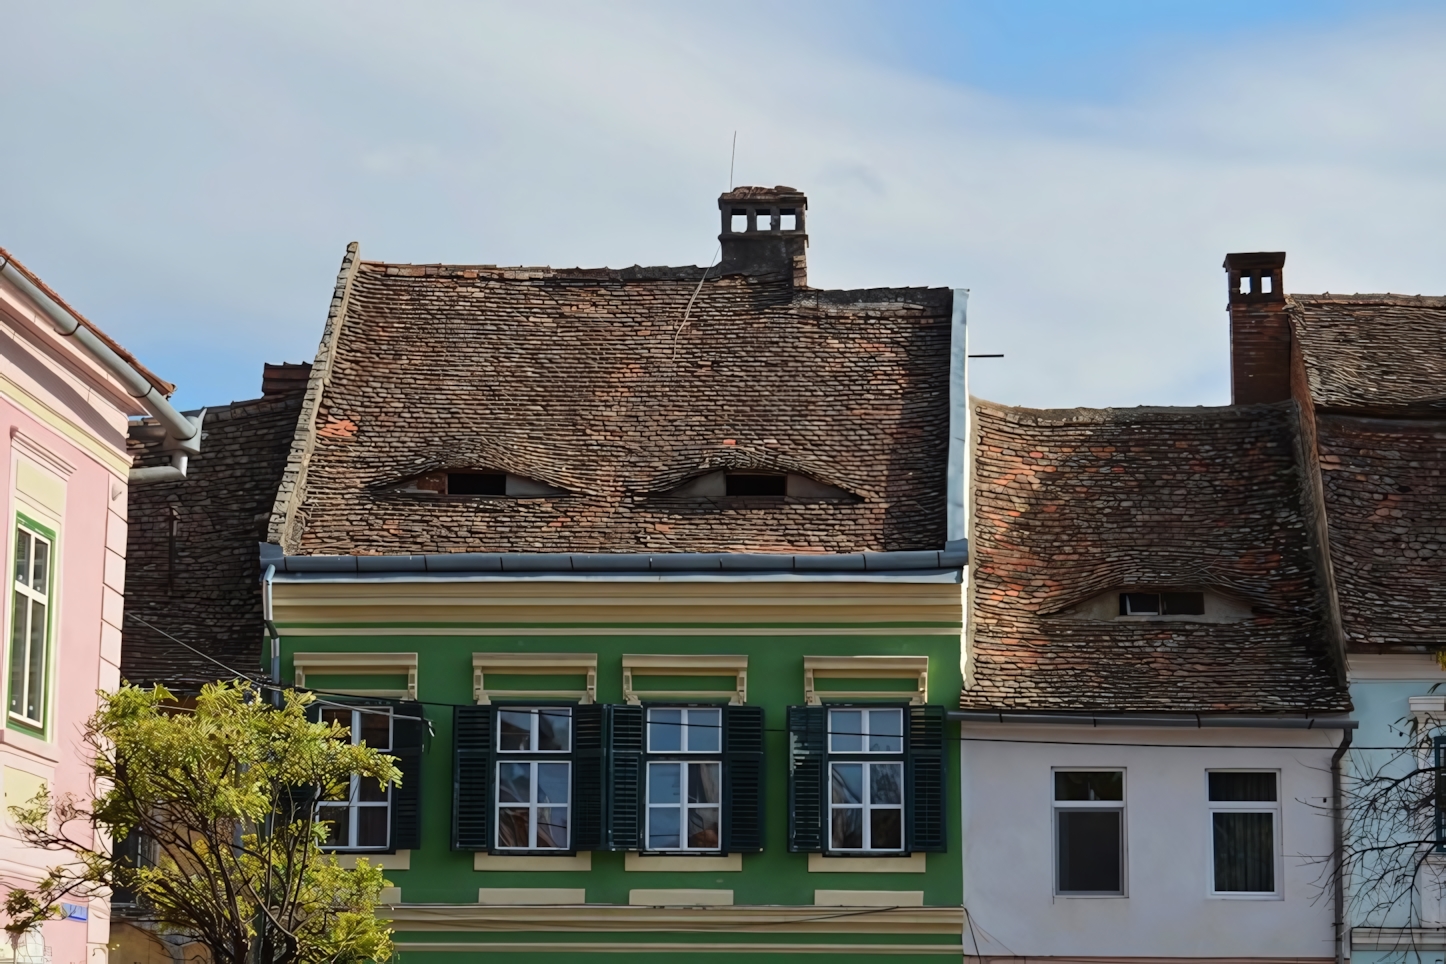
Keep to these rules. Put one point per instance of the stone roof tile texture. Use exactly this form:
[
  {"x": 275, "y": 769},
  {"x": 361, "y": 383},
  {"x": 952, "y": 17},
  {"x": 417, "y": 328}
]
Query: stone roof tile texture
[
  {"x": 590, "y": 381},
  {"x": 1377, "y": 353},
  {"x": 1073, "y": 504}
]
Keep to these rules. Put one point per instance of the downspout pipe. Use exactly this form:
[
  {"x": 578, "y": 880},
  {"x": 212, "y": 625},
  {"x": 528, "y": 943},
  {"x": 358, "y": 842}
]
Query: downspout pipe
[
  {"x": 275, "y": 637},
  {"x": 1338, "y": 833},
  {"x": 183, "y": 433}
]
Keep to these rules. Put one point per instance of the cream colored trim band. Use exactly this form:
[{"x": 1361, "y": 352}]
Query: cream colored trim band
[
  {"x": 598, "y": 947},
  {"x": 621, "y": 918}
]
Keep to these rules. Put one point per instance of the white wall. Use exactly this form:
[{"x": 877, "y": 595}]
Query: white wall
[{"x": 1167, "y": 910}]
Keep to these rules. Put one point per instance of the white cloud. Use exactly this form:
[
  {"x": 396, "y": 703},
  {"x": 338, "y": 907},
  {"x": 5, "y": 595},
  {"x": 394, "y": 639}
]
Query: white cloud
[{"x": 198, "y": 170}]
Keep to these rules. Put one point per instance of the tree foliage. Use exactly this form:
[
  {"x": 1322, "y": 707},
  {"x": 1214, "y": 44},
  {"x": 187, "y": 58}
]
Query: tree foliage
[{"x": 225, "y": 792}]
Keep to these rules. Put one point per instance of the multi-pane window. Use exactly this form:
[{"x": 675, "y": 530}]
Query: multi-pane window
[
  {"x": 1089, "y": 820},
  {"x": 29, "y": 626},
  {"x": 1244, "y": 812},
  {"x": 360, "y": 817},
  {"x": 534, "y": 778},
  {"x": 866, "y": 780},
  {"x": 685, "y": 795}
]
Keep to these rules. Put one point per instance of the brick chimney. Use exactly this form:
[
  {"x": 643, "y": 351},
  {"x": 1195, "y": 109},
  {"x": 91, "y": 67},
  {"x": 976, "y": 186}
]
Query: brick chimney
[
  {"x": 763, "y": 232},
  {"x": 1259, "y": 329},
  {"x": 285, "y": 379}
]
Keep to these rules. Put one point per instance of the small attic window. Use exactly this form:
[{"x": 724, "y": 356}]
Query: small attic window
[
  {"x": 476, "y": 483},
  {"x": 756, "y": 483},
  {"x": 1162, "y": 604}
]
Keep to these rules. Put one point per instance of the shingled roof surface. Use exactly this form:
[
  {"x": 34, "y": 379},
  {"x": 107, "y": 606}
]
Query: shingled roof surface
[
  {"x": 1070, "y": 505},
  {"x": 1378, "y": 353},
  {"x": 202, "y": 585},
  {"x": 1384, "y": 483},
  {"x": 608, "y": 385}
]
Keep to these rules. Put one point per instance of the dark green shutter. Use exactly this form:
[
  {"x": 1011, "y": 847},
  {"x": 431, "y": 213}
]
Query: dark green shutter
[
  {"x": 589, "y": 771},
  {"x": 471, "y": 777},
  {"x": 924, "y": 817},
  {"x": 1439, "y": 743},
  {"x": 409, "y": 730},
  {"x": 625, "y": 774},
  {"x": 742, "y": 779},
  {"x": 807, "y": 747}
]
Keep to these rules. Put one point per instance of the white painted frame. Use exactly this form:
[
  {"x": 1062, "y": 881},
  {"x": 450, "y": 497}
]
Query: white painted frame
[
  {"x": 1213, "y": 807},
  {"x": 1121, "y": 805}
]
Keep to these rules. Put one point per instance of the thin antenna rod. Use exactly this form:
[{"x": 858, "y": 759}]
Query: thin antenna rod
[{"x": 731, "y": 157}]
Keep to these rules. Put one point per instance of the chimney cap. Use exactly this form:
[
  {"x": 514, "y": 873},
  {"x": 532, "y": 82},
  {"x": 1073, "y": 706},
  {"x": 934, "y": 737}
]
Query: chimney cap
[
  {"x": 1254, "y": 259},
  {"x": 779, "y": 194}
]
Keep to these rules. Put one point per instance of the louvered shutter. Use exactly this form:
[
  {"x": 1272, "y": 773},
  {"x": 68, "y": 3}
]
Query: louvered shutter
[
  {"x": 589, "y": 776},
  {"x": 924, "y": 816},
  {"x": 409, "y": 731},
  {"x": 625, "y": 776},
  {"x": 742, "y": 779},
  {"x": 471, "y": 777},
  {"x": 298, "y": 802},
  {"x": 807, "y": 747}
]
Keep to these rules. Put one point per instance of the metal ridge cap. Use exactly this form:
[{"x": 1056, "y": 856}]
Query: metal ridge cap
[
  {"x": 351, "y": 574},
  {"x": 1304, "y": 721}
]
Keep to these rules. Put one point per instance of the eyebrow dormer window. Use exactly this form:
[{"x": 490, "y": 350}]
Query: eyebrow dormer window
[
  {"x": 476, "y": 483},
  {"x": 1162, "y": 604},
  {"x": 755, "y": 483}
]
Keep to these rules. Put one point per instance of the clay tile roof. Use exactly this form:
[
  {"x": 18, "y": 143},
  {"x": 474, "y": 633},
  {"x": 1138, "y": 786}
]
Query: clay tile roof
[
  {"x": 1384, "y": 354},
  {"x": 607, "y": 385},
  {"x": 1074, "y": 506},
  {"x": 1384, "y": 484}
]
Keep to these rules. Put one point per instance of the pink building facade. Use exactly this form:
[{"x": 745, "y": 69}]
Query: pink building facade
[{"x": 63, "y": 414}]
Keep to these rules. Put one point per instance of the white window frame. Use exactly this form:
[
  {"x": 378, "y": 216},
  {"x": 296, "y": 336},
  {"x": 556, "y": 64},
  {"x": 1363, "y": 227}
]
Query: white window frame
[
  {"x": 1277, "y": 856},
  {"x": 866, "y": 807},
  {"x": 683, "y": 807},
  {"x": 866, "y": 716},
  {"x": 1058, "y": 806},
  {"x": 20, "y": 648},
  {"x": 687, "y": 728},
  {"x": 531, "y": 805},
  {"x": 353, "y": 803}
]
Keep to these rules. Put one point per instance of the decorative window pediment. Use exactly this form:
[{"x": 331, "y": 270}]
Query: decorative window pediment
[
  {"x": 873, "y": 673},
  {"x": 730, "y": 671},
  {"x": 544, "y": 676},
  {"x": 387, "y": 675}
]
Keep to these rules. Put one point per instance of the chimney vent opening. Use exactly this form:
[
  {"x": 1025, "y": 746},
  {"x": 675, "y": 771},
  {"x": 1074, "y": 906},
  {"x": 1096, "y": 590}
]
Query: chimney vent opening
[
  {"x": 787, "y": 219},
  {"x": 738, "y": 221},
  {"x": 763, "y": 218},
  {"x": 1263, "y": 285}
]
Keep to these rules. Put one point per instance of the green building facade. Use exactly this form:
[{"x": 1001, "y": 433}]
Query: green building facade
[{"x": 652, "y": 579}]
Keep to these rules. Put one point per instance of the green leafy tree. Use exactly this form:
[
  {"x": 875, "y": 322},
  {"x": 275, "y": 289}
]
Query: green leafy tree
[{"x": 225, "y": 793}]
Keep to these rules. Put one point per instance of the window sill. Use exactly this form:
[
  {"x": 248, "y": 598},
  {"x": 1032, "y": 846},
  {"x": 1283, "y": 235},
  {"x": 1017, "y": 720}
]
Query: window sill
[
  {"x": 822, "y": 864},
  {"x": 1091, "y": 896},
  {"x": 682, "y": 863},
  {"x": 398, "y": 860},
  {"x": 27, "y": 743},
  {"x": 1244, "y": 896},
  {"x": 481, "y": 860}
]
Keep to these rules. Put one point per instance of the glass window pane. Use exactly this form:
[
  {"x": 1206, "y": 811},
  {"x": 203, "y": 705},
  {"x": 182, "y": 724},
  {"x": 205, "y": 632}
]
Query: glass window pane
[
  {"x": 703, "y": 783},
  {"x": 40, "y": 566},
  {"x": 1141, "y": 604},
  {"x": 1244, "y": 852},
  {"x": 342, "y": 717},
  {"x": 371, "y": 826},
  {"x": 514, "y": 730},
  {"x": 1182, "y": 603},
  {"x": 554, "y": 730},
  {"x": 552, "y": 827},
  {"x": 663, "y": 828},
  {"x": 552, "y": 782},
  {"x": 514, "y": 782},
  {"x": 1089, "y": 785},
  {"x": 512, "y": 827},
  {"x": 705, "y": 731},
  {"x": 1242, "y": 786},
  {"x": 845, "y": 731},
  {"x": 886, "y": 829},
  {"x": 336, "y": 819},
  {"x": 665, "y": 782},
  {"x": 1089, "y": 851},
  {"x": 848, "y": 783},
  {"x": 22, "y": 557},
  {"x": 665, "y": 731},
  {"x": 886, "y": 783},
  {"x": 847, "y": 829},
  {"x": 371, "y": 791},
  {"x": 20, "y": 632},
  {"x": 35, "y": 684},
  {"x": 886, "y": 731},
  {"x": 376, "y": 730},
  {"x": 703, "y": 828}
]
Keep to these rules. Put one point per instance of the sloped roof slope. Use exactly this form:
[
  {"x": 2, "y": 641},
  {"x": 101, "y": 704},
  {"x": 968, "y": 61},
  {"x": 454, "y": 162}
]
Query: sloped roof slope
[
  {"x": 1069, "y": 505},
  {"x": 1384, "y": 354},
  {"x": 1384, "y": 484},
  {"x": 617, "y": 386}
]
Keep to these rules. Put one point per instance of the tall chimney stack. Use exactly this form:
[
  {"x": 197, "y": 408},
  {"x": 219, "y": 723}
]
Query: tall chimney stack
[
  {"x": 1259, "y": 328},
  {"x": 763, "y": 232}
]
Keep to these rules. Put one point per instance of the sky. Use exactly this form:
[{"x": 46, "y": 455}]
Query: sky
[{"x": 188, "y": 174}]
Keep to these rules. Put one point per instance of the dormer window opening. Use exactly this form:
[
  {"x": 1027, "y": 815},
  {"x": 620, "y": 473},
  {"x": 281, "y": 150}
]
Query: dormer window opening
[
  {"x": 476, "y": 483},
  {"x": 1162, "y": 604},
  {"x": 756, "y": 484}
]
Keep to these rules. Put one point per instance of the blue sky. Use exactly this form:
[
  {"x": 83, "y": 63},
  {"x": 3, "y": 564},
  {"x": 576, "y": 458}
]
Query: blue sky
[{"x": 189, "y": 174}]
